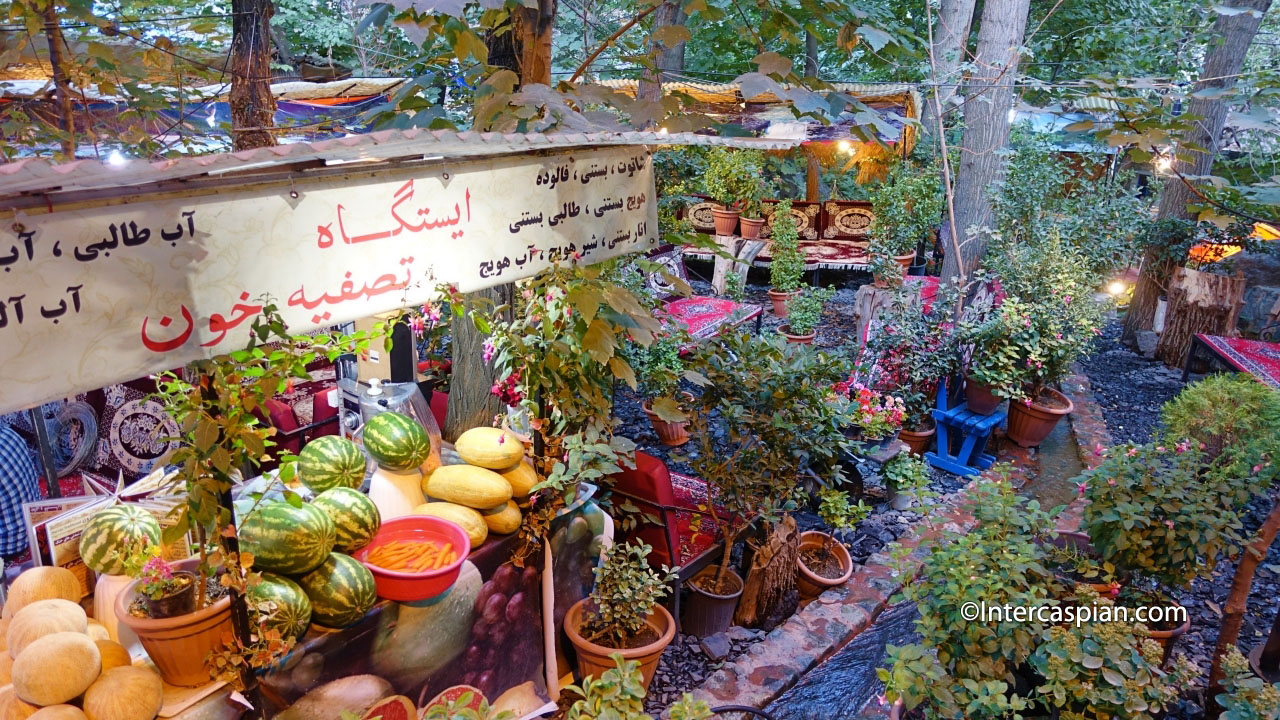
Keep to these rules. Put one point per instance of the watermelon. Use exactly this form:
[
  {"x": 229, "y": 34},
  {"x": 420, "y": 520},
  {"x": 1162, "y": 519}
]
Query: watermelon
[
  {"x": 341, "y": 591},
  {"x": 396, "y": 707},
  {"x": 331, "y": 461},
  {"x": 286, "y": 539},
  {"x": 115, "y": 532},
  {"x": 292, "y": 611},
  {"x": 354, "y": 515},
  {"x": 396, "y": 441}
]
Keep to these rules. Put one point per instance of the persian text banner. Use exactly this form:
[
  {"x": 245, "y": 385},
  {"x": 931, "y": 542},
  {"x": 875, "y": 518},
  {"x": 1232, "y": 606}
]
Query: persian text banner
[{"x": 90, "y": 297}]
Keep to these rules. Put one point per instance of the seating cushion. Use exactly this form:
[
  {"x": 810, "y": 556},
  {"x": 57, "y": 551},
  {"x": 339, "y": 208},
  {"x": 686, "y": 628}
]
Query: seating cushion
[
  {"x": 282, "y": 418},
  {"x": 706, "y": 317}
]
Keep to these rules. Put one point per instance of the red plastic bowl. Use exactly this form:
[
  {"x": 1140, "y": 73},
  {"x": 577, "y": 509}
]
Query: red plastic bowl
[{"x": 413, "y": 587}]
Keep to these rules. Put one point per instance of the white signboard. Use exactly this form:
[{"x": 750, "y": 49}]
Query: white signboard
[{"x": 91, "y": 297}]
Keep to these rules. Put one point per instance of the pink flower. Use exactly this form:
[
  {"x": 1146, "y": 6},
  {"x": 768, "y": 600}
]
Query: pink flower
[
  {"x": 1160, "y": 448},
  {"x": 1098, "y": 450},
  {"x": 1111, "y": 482},
  {"x": 489, "y": 350},
  {"x": 1066, "y": 299},
  {"x": 1131, "y": 452},
  {"x": 1169, "y": 524},
  {"x": 1081, "y": 488},
  {"x": 1181, "y": 447},
  {"x": 1057, "y": 336},
  {"x": 1027, "y": 402}
]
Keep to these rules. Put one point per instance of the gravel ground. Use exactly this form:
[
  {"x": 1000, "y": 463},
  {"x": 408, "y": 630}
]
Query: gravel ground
[{"x": 1131, "y": 390}]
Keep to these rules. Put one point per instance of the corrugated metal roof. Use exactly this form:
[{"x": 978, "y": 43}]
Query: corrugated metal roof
[
  {"x": 728, "y": 92},
  {"x": 38, "y": 175}
]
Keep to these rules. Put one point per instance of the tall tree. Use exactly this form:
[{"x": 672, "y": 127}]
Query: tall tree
[
  {"x": 1233, "y": 33},
  {"x": 253, "y": 107},
  {"x": 533, "y": 26},
  {"x": 950, "y": 42},
  {"x": 986, "y": 130},
  {"x": 668, "y": 58}
]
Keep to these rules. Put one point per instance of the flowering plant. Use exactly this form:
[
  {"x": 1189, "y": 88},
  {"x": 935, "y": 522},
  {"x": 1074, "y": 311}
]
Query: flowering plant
[
  {"x": 877, "y": 415},
  {"x": 916, "y": 345},
  {"x": 430, "y": 326},
  {"x": 156, "y": 577}
]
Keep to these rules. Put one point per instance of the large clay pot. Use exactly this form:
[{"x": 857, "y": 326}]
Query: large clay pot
[
  {"x": 779, "y": 300},
  {"x": 979, "y": 397},
  {"x": 905, "y": 261},
  {"x": 811, "y": 584},
  {"x": 1169, "y": 638},
  {"x": 806, "y": 339},
  {"x": 726, "y": 220},
  {"x": 707, "y": 613},
  {"x": 750, "y": 227},
  {"x": 671, "y": 434},
  {"x": 1030, "y": 423},
  {"x": 179, "y": 645},
  {"x": 594, "y": 659},
  {"x": 918, "y": 442}
]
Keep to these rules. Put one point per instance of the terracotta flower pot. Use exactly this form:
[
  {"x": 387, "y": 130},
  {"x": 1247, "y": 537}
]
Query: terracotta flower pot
[
  {"x": 1169, "y": 638},
  {"x": 1081, "y": 543},
  {"x": 1030, "y": 423},
  {"x": 726, "y": 220},
  {"x": 779, "y": 300},
  {"x": 806, "y": 339},
  {"x": 918, "y": 442},
  {"x": 979, "y": 397},
  {"x": 905, "y": 261},
  {"x": 179, "y": 645},
  {"x": 671, "y": 434},
  {"x": 750, "y": 227},
  {"x": 594, "y": 659},
  {"x": 811, "y": 584},
  {"x": 707, "y": 613},
  {"x": 898, "y": 710}
]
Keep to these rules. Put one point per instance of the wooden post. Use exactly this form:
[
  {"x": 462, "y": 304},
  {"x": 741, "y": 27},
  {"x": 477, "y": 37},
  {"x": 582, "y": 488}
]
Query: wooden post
[
  {"x": 812, "y": 174},
  {"x": 57, "y": 62},
  {"x": 253, "y": 107},
  {"x": 1198, "y": 303}
]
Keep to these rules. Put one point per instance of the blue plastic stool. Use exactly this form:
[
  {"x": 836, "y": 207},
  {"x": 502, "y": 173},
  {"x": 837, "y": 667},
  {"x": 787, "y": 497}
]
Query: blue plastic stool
[{"x": 954, "y": 417}]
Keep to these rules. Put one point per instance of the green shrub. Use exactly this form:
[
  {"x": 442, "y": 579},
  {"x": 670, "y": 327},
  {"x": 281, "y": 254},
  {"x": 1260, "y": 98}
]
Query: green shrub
[
  {"x": 734, "y": 178},
  {"x": 1222, "y": 411},
  {"x": 625, "y": 592},
  {"x": 907, "y": 207},
  {"x": 1246, "y": 696},
  {"x": 805, "y": 310},
  {"x": 786, "y": 267}
]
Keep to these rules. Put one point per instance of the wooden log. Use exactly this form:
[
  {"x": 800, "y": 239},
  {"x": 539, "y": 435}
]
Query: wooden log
[
  {"x": 769, "y": 595},
  {"x": 744, "y": 253},
  {"x": 1198, "y": 303},
  {"x": 867, "y": 303}
]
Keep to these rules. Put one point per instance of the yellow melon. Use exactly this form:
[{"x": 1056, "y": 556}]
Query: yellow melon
[
  {"x": 56, "y": 668},
  {"x": 12, "y": 707},
  {"x": 124, "y": 693},
  {"x": 113, "y": 654},
  {"x": 503, "y": 520},
  {"x": 98, "y": 631},
  {"x": 44, "y": 617},
  {"x": 471, "y": 522},
  {"x": 522, "y": 478},
  {"x": 6, "y": 668},
  {"x": 41, "y": 583},
  {"x": 488, "y": 447},
  {"x": 59, "y": 712},
  {"x": 467, "y": 485}
]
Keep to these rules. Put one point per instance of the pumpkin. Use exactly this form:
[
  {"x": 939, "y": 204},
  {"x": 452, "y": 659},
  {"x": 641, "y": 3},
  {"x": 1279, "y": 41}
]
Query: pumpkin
[
  {"x": 113, "y": 654},
  {"x": 125, "y": 693},
  {"x": 98, "y": 631},
  {"x": 6, "y": 668},
  {"x": 13, "y": 708},
  {"x": 44, "y": 617},
  {"x": 56, "y": 668},
  {"x": 41, "y": 583},
  {"x": 59, "y": 712}
]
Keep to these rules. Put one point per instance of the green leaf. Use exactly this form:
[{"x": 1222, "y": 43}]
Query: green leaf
[
  {"x": 586, "y": 300},
  {"x": 176, "y": 531},
  {"x": 671, "y": 35},
  {"x": 622, "y": 370},
  {"x": 293, "y": 498},
  {"x": 875, "y": 37},
  {"x": 1113, "y": 677},
  {"x": 1080, "y": 126}
]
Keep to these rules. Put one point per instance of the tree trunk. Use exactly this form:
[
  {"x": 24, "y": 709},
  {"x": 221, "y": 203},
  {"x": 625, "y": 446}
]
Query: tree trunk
[
  {"x": 1198, "y": 303},
  {"x": 810, "y": 54},
  {"x": 1237, "y": 599},
  {"x": 986, "y": 128},
  {"x": 470, "y": 402},
  {"x": 57, "y": 65},
  {"x": 769, "y": 595},
  {"x": 744, "y": 252},
  {"x": 950, "y": 40},
  {"x": 253, "y": 107},
  {"x": 534, "y": 27},
  {"x": 1221, "y": 66},
  {"x": 667, "y": 59}
]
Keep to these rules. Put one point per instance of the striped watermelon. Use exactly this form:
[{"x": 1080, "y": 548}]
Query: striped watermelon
[
  {"x": 286, "y": 539},
  {"x": 292, "y": 611},
  {"x": 341, "y": 591},
  {"x": 331, "y": 461},
  {"x": 354, "y": 515},
  {"x": 396, "y": 441},
  {"x": 113, "y": 533}
]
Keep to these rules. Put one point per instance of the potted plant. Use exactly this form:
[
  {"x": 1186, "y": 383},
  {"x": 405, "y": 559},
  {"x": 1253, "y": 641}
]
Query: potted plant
[
  {"x": 751, "y": 216},
  {"x": 905, "y": 475},
  {"x": 907, "y": 206},
  {"x": 804, "y": 310},
  {"x": 876, "y": 416},
  {"x": 658, "y": 369},
  {"x": 1073, "y": 561},
  {"x": 824, "y": 562},
  {"x": 618, "y": 694},
  {"x": 786, "y": 264},
  {"x": 732, "y": 176},
  {"x": 1162, "y": 515},
  {"x": 1245, "y": 696},
  {"x": 885, "y": 272},
  {"x": 1223, "y": 411},
  {"x": 163, "y": 591},
  {"x": 622, "y": 615}
]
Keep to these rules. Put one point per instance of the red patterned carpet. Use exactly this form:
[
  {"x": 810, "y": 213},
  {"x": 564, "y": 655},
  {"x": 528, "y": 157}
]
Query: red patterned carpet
[{"x": 1258, "y": 358}]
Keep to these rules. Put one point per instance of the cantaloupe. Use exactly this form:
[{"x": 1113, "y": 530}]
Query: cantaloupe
[
  {"x": 125, "y": 693},
  {"x": 467, "y": 485},
  {"x": 41, "y": 583},
  {"x": 98, "y": 631},
  {"x": 471, "y": 522},
  {"x": 56, "y": 668},
  {"x": 6, "y": 668},
  {"x": 44, "y": 617},
  {"x": 4, "y": 633},
  {"x": 522, "y": 478},
  {"x": 504, "y": 520},
  {"x": 113, "y": 654},
  {"x": 12, "y": 707},
  {"x": 489, "y": 447},
  {"x": 59, "y": 712}
]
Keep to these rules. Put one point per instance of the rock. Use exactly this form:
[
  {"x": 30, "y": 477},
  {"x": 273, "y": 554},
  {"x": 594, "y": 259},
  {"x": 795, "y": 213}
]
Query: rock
[
  {"x": 739, "y": 634},
  {"x": 715, "y": 647},
  {"x": 1147, "y": 340}
]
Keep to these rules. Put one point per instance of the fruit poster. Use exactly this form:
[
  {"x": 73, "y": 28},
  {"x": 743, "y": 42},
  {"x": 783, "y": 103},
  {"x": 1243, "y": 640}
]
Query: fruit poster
[{"x": 485, "y": 634}]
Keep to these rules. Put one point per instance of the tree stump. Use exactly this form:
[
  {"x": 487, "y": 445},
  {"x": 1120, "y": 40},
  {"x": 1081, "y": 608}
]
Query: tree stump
[
  {"x": 744, "y": 253},
  {"x": 769, "y": 595},
  {"x": 1198, "y": 303},
  {"x": 867, "y": 303}
]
